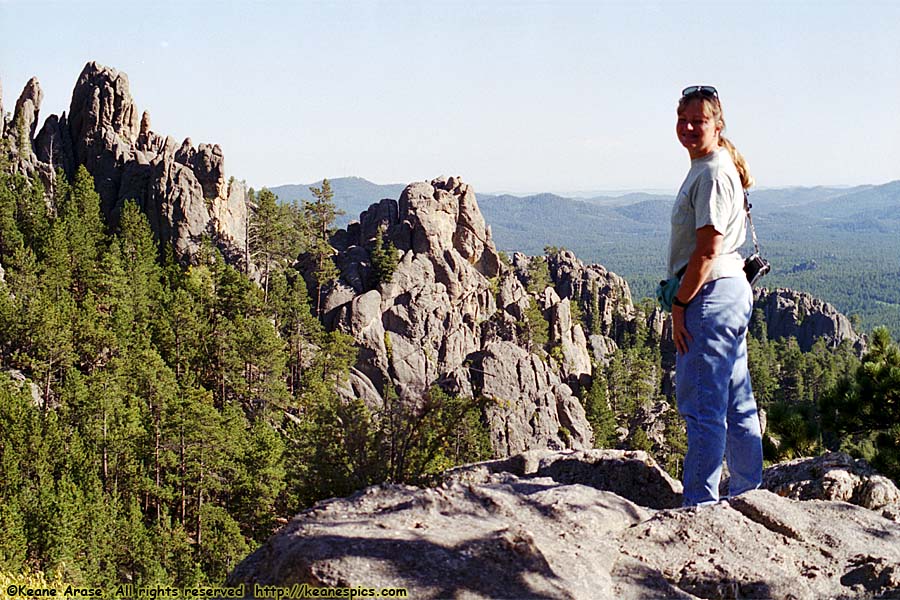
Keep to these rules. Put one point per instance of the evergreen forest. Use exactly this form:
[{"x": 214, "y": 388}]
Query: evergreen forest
[{"x": 158, "y": 421}]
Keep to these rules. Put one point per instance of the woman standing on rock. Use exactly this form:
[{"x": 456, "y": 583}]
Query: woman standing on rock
[{"x": 712, "y": 307}]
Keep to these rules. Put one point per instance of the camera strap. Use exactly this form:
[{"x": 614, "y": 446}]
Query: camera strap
[{"x": 747, "y": 207}]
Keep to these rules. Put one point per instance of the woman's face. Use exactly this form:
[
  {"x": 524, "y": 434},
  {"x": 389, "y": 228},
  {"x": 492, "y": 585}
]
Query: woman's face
[{"x": 697, "y": 131}]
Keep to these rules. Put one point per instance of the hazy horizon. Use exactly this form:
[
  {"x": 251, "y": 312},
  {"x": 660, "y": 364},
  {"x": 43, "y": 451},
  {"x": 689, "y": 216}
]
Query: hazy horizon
[{"x": 578, "y": 194}]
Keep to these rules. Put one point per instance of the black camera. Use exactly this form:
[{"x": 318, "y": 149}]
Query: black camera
[{"x": 755, "y": 266}]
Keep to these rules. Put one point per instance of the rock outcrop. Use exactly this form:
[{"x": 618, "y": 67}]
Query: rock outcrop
[
  {"x": 17, "y": 132},
  {"x": 28, "y": 106},
  {"x": 182, "y": 189},
  {"x": 531, "y": 407},
  {"x": 452, "y": 316},
  {"x": 593, "y": 284},
  {"x": 789, "y": 313},
  {"x": 834, "y": 476},
  {"x": 606, "y": 295},
  {"x": 580, "y": 525}
]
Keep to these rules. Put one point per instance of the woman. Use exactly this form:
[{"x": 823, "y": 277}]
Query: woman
[{"x": 712, "y": 307}]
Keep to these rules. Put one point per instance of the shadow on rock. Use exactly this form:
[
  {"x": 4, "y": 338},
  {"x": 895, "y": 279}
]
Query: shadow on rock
[{"x": 506, "y": 564}]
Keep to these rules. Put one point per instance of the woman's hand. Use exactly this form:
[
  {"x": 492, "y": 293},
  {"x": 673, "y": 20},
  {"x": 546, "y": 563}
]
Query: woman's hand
[{"x": 679, "y": 332}]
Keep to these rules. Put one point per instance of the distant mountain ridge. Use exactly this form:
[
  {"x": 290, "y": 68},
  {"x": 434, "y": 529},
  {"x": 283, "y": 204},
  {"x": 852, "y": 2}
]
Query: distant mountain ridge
[
  {"x": 852, "y": 234},
  {"x": 589, "y": 226},
  {"x": 355, "y": 194}
]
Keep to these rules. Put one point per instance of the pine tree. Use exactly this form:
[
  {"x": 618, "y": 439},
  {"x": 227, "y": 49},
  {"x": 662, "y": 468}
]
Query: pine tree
[
  {"x": 675, "y": 449},
  {"x": 791, "y": 380},
  {"x": 153, "y": 387},
  {"x": 259, "y": 482},
  {"x": 49, "y": 351},
  {"x": 425, "y": 440},
  {"x": 761, "y": 362},
  {"x": 385, "y": 258},
  {"x": 222, "y": 546},
  {"x": 538, "y": 275},
  {"x": 32, "y": 217},
  {"x": 633, "y": 379},
  {"x": 320, "y": 216},
  {"x": 598, "y": 412},
  {"x": 139, "y": 254},
  {"x": 135, "y": 547},
  {"x": 82, "y": 223},
  {"x": 640, "y": 441},
  {"x": 297, "y": 326},
  {"x": 534, "y": 327},
  {"x": 201, "y": 439},
  {"x": 274, "y": 239},
  {"x": 17, "y": 464},
  {"x": 259, "y": 383},
  {"x": 11, "y": 238},
  {"x": 862, "y": 414}
]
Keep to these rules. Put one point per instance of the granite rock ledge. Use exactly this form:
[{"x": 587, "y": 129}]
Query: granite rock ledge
[{"x": 541, "y": 525}]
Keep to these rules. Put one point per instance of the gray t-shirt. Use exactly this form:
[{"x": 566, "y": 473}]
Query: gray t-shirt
[{"x": 710, "y": 195}]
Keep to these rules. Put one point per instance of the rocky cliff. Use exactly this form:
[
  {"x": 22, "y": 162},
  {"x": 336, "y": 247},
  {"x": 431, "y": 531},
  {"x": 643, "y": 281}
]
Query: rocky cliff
[
  {"x": 452, "y": 315},
  {"x": 597, "y": 524},
  {"x": 181, "y": 188},
  {"x": 789, "y": 313}
]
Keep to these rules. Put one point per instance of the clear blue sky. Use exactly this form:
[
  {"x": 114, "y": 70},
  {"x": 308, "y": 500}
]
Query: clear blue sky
[{"x": 517, "y": 95}]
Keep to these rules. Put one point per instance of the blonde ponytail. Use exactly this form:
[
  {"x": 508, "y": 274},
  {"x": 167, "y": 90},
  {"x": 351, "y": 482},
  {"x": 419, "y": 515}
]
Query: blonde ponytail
[{"x": 739, "y": 162}]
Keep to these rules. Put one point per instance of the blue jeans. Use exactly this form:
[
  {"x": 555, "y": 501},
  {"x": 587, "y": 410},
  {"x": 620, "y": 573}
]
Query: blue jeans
[{"x": 712, "y": 385}]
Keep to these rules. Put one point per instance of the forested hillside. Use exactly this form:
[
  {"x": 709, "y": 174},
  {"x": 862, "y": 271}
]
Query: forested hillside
[{"x": 158, "y": 421}]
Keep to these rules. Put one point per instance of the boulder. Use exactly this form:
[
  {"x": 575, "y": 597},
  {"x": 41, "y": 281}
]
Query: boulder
[
  {"x": 28, "y": 106},
  {"x": 632, "y": 474},
  {"x": 760, "y": 545},
  {"x": 607, "y": 295},
  {"x": 103, "y": 124},
  {"x": 568, "y": 336},
  {"x": 832, "y": 476},
  {"x": 512, "y": 297},
  {"x": 443, "y": 215},
  {"x": 602, "y": 348},
  {"x": 53, "y": 145},
  {"x": 229, "y": 219},
  {"x": 19, "y": 136},
  {"x": 379, "y": 216}
]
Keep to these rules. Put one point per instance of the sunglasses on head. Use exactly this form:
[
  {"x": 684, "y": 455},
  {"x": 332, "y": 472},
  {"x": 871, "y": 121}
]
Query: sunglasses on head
[{"x": 705, "y": 90}]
